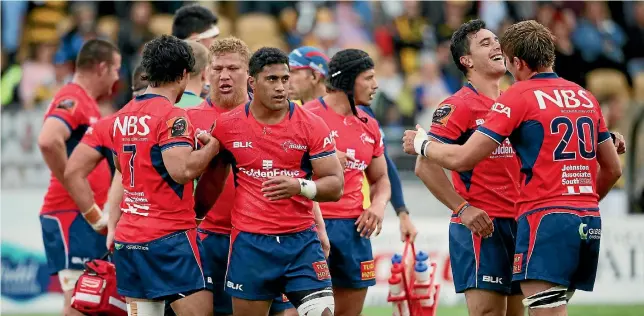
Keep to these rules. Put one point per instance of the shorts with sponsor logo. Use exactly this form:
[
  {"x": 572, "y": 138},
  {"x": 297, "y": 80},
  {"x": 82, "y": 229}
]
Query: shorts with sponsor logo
[
  {"x": 69, "y": 241},
  {"x": 558, "y": 245},
  {"x": 483, "y": 263},
  {"x": 215, "y": 263},
  {"x": 351, "y": 258},
  {"x": 160, "y": 268},
  {"x": 261, "y": 267}
]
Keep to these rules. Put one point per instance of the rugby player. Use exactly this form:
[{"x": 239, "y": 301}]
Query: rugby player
[
  {"x": 309, "y": 70},
  {"x": 482, "y": 199},
  {"x": 191, "y": 97},
  {"x": 351, "y": 264},
  {"x": 275, "y": 148},
  {"x": 228, "y": 75},
  {"x": 70, "y": 233},
  {"x": 568, "y": 164},
  {"x": 156, "y": 246}
]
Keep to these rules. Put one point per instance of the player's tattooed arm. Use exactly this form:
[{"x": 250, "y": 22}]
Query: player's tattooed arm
[
  {"x": 210, "y": 185},
  {"x": 184, "y": 164},
  {"x": 610, "y": 168},
  {"x": 51, "y": 141}
]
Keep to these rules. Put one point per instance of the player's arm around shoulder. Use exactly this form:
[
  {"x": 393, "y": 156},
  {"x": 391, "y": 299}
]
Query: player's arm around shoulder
[
  {"x": 610, "y": 168},
  {"x": 176, "y": 137}
]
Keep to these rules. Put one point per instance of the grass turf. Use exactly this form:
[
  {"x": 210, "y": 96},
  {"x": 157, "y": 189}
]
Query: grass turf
[{"x": 583, "y": 310}]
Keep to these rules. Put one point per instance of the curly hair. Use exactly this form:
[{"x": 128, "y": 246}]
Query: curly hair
[
  {"x": 192, "y": 19},
  {"x": 165, "y": 59},
  {"x": 530, "y": 42},
  {"x": 345, "y": 66},
  {"x": 266, "y": 56},
  {"x": 230, "y": 45},
  {"x": 460, "y": 43}
]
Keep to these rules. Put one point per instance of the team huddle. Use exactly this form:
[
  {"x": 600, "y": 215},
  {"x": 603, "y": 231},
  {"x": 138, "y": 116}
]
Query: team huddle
[{"x": 247, "y": 203}]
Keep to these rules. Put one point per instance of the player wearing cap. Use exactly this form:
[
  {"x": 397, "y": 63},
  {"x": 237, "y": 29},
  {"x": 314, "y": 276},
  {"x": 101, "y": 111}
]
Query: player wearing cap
[
  {"x": 567, "y": 165},
  {"x": 309, "y": 73},
  {"x": 70, "y": 232},
  {"x": 352, "y": 81}
]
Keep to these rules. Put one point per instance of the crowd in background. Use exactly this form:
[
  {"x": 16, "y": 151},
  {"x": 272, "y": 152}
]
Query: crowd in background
[{"x": 600, "y": 45}]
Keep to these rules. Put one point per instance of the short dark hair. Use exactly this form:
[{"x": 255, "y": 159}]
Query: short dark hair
[
  {"x": 165, "y": 59},
  {"x": 192, "y": 19},
  {"x": 138, "y": 82},
  {"x": 460, "y": 44},
  {"x": 94, "y": 52},
  {"x": 266, "y": 56},
  {"x": 531, "y": 42}
]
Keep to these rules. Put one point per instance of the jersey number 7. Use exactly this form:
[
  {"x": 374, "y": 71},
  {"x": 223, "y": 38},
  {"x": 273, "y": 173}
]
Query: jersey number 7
[
  {"x": 563, "y": 124},
  {"x": 131, "y": 149}
]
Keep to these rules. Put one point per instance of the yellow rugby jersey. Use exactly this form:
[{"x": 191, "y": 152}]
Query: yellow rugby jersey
[{"x": 366, "y": 202}]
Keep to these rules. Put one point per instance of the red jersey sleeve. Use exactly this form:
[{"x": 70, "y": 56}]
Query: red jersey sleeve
[
  {"x": 450, "y": 120},
  {"x": 602, "y": 130},
  {"x": 505, "y": 116},
  {"x": 379, "y": 149},
  {"x": 67, "y": 109},
  {"x": 320, "y": 142},
  {"x": 175, "y": 129}
]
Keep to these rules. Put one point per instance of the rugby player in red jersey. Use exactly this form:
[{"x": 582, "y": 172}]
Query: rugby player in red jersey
[
  {"x": 352, "y": 81},
  {"x": 228, "y": 75},
  {"x": 95, "y": 146},
  {"x": 481, "y": 199},
  {"x": 275, "y": 149},
  {"x": 69, "y": 232},
  {"x": 156, "y": 246},
  {"x": 568, "y": 164}
]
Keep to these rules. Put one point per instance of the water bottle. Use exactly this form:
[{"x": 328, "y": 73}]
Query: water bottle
[
  {"x": 397, "y": 258},
  {"x": 424, "y": 258},
  {"x": 422, "y": 276},
  {"x": 397, "y": 289}
]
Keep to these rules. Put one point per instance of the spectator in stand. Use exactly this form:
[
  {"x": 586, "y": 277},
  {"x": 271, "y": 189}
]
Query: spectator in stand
[
  {"x": 409, "y": 33},
  {"x": 84, "y": 16},
  {"x": 634, "y": 49},
  {"x": 431, "y": 90},
  {"x": 568, "y": 62},
  {"x": 134, "y": 33},
  {"x": 599, "y": 38},
  {"x": 38, "y": 75}
]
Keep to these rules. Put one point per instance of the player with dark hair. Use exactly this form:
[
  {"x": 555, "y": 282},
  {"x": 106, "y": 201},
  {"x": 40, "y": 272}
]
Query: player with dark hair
[
  {"x": 229, "y": 74},
  {"x": 138, "y": 84},
  {"x": 567, "y": 162},
  {"x": 309, "y": 70},
  {"x": 156, "y": 246},
  {"x": 481, "y": 199},
  {"x": 351, "y": 264},
  {"x": 283, "y": 159},
  {"x": 195, "y": 22},
  {"x": 69, "y": 232}
]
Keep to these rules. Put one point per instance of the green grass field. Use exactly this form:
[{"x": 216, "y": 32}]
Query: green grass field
[{"x": 586, "y": 310}]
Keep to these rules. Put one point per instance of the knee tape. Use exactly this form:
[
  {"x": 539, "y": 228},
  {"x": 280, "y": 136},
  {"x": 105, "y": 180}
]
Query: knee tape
[
  {"x": 550, "y": 298},
  {"x": 68, "y": 278},
  {"x": 145, "y": 308},
  {"x": 316, "y": 303}
]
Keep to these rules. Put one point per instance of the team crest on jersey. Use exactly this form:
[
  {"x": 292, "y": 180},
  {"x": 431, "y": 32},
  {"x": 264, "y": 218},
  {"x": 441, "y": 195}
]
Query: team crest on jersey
[
  {"x": 442, "y": 114},
  {"x": 67, "y": 104},
  {"x": 366, "y": 139},
  {"x": 178, "y": 126}
]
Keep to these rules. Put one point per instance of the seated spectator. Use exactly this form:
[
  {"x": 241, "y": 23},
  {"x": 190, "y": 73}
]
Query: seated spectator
[
  {"x": 598, "y": 37},
  {"x": 38, "y": 75}
]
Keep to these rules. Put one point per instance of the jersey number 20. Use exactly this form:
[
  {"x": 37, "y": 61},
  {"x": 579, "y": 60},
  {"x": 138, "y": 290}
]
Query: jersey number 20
[
  {"x": 130, "y": 149},
  {"x": 565, "y": 125}
]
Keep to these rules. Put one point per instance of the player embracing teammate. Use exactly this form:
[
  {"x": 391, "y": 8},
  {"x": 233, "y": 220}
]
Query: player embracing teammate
[{"x": 568, "y": 163}]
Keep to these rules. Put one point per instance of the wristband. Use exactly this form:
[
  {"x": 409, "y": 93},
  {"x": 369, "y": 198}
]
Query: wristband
[
  {"x": 308, "y": 188},
  {"x": 423, "y": 147},
  {"x": 461, "y": 208},
  {"x": 94, "y": 216}
]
